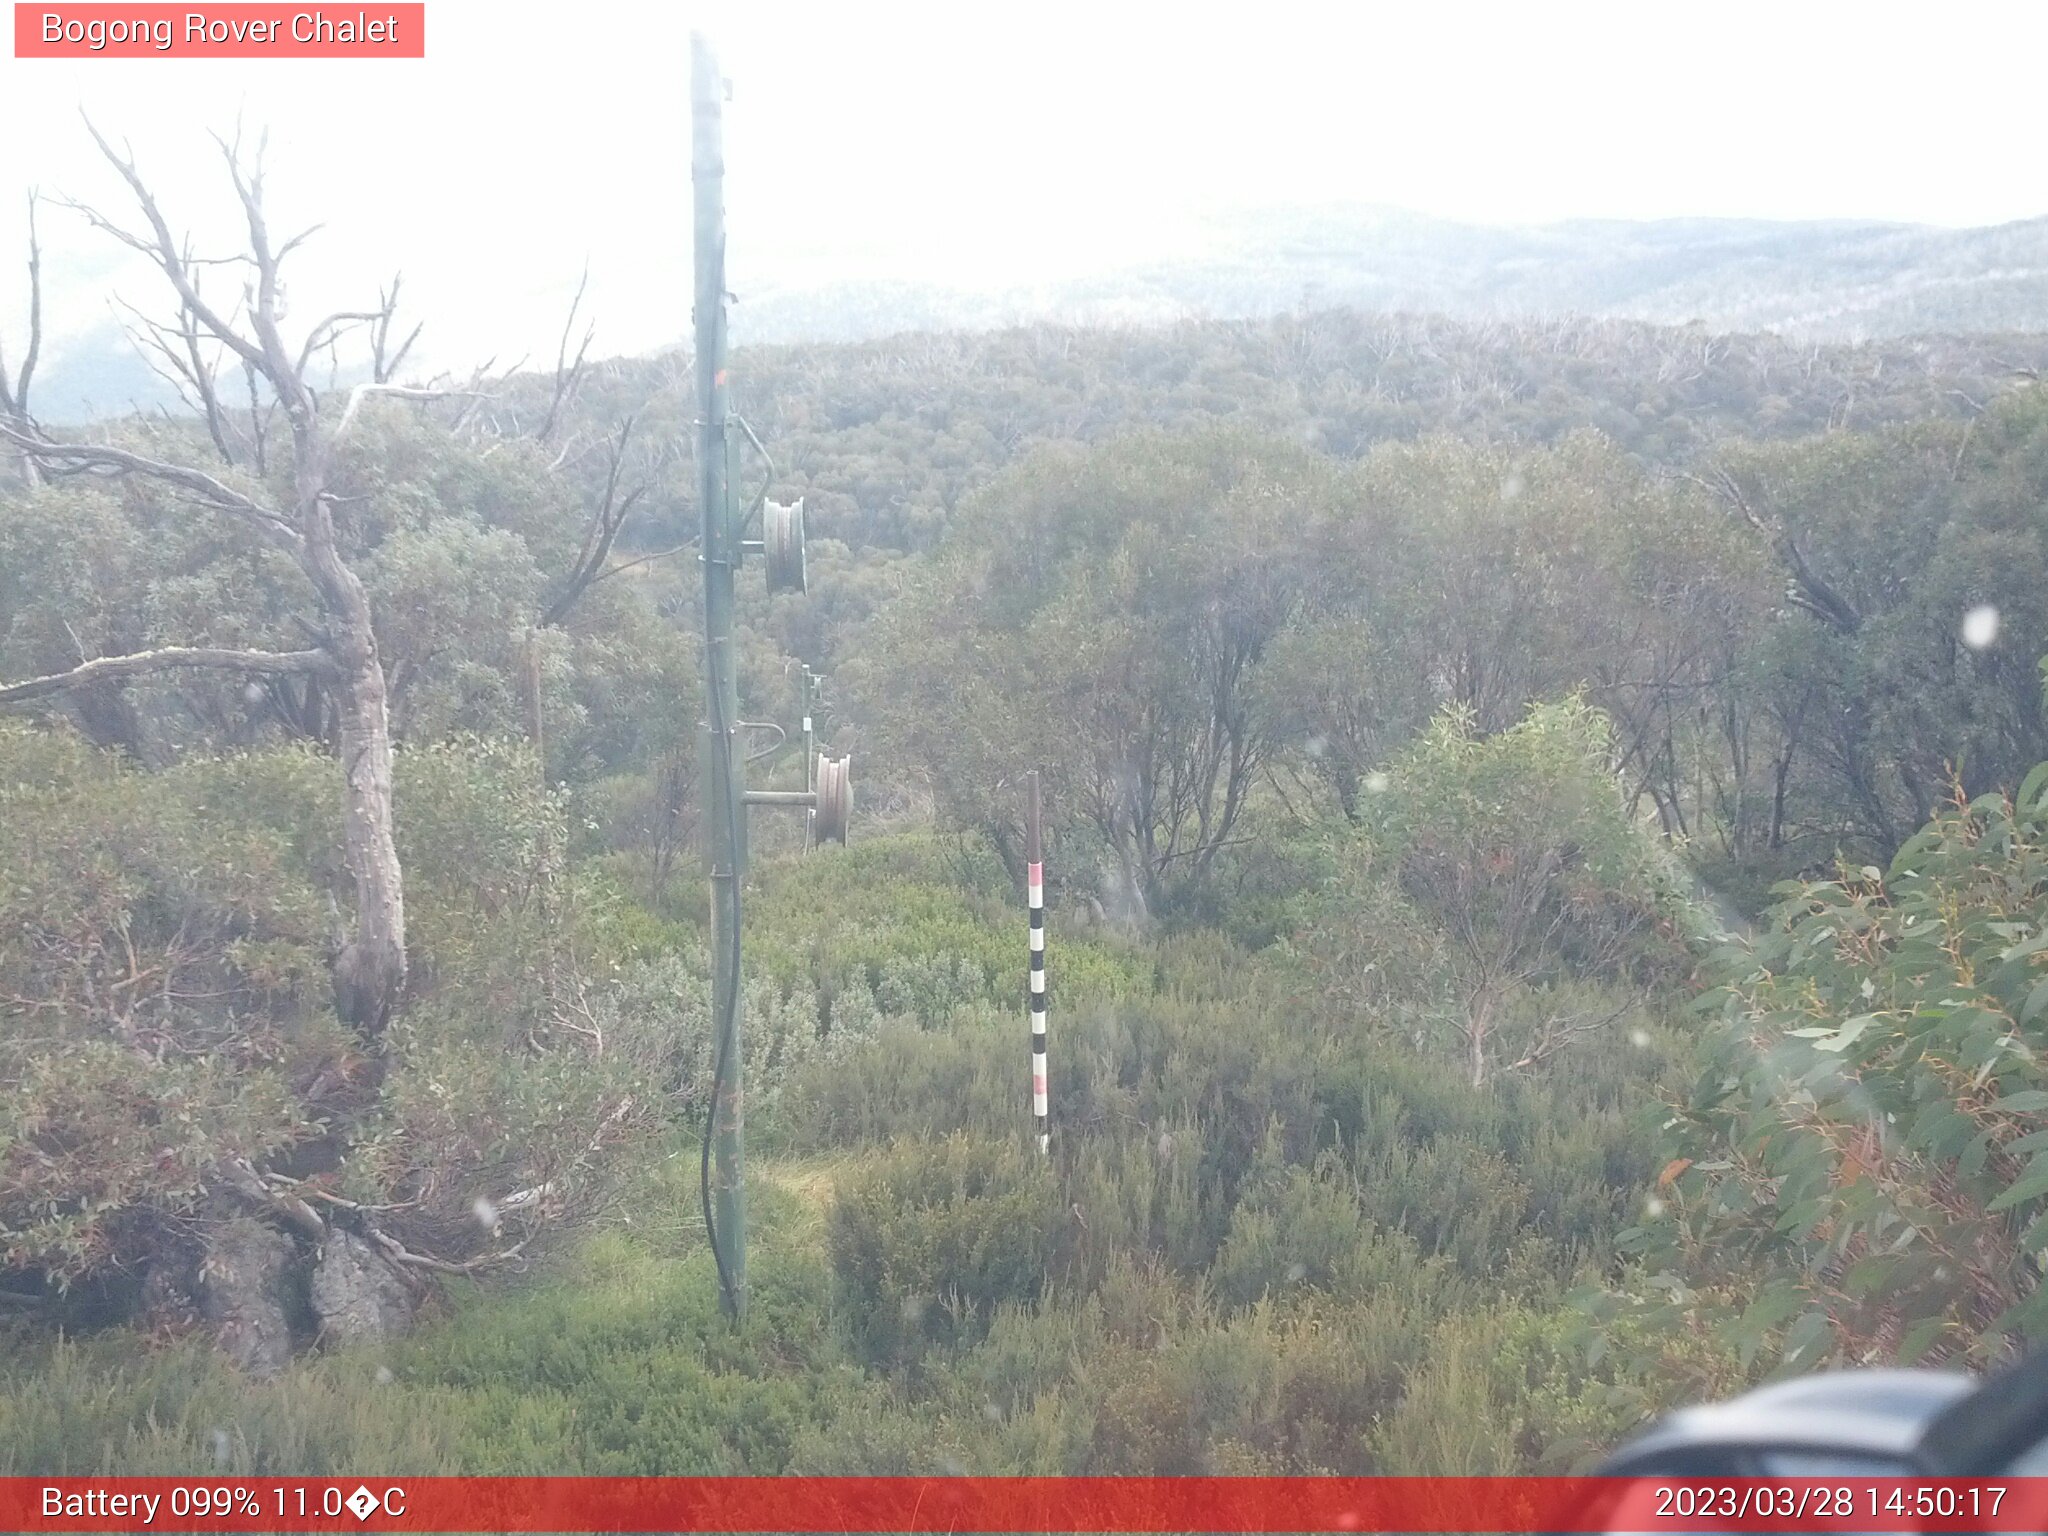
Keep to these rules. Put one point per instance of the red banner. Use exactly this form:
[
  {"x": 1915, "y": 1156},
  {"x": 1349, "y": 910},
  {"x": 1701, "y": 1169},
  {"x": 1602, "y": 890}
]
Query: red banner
[
  {"x": 225, "y": 31},
  {"x": 994, "y": 1504}
]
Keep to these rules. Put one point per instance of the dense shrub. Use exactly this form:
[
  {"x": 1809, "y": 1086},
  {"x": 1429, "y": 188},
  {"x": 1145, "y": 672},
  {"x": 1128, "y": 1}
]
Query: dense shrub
[
  {"x": 167, "y": 934},
  {"x": 927, "y": 1240},
  {"x": 1859, "y": 1170}
]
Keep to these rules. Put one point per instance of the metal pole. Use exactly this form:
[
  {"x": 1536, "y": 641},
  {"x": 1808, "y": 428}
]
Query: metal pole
[
  {"x": 726, "y": 772},
  {"x": 1034, "y": 895},
  {"x": 795, "y": 799},
  {"x": 810, "y": 784}
]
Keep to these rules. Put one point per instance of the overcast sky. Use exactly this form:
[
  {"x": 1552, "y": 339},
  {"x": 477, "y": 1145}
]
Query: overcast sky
[{"x": 986, "y": 142}]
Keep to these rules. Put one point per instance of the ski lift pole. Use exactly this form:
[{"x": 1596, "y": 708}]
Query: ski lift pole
[
  {"x": 1034, "y": 895},
  {"x": 725, "y": 780}
]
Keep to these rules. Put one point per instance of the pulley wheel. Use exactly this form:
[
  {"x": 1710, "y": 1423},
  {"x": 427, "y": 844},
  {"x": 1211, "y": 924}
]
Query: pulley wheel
[
  {"x": 782, "y": 540},
  {"x": 835, "y": 800}
]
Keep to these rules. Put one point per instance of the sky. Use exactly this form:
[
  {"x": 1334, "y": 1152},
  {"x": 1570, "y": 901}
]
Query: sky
[{"x": 990, "y": 143}]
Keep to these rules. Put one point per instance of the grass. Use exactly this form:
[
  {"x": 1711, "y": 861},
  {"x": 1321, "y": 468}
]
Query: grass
[{"x": 613, "y": 1359}]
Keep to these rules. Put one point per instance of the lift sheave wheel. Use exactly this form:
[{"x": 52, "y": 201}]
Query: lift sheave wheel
[
  {"x": 835, "y": 800},
  {"x": 782, "y": 539}
]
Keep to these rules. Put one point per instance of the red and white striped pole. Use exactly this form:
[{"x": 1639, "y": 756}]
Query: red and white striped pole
[{"x": 1034, "y": 856}]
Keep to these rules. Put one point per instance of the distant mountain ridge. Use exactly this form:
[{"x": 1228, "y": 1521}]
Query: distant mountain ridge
[
  {"x": 1831, "y": 280},
  {"x": 1828, "y": 280}
]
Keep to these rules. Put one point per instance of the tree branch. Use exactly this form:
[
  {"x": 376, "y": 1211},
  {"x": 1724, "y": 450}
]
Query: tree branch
[
  {"x": 162, "y": 248},
  {"x": 264, "y": 313},
  {"x": 98, "y": 457},
  {"x": 567, "y": 374},
  {"x": 247, "y": 1183},
  {"x": 184, "y": 369},
  {"x": 333, "y": 328},
  {"x": 14, "y": 396},
  {"x": 401, "y": 391},
  {"x": 383, "y": 361},
  {"x": 398, "y": 1253},
  {"x": 106, "y": 668},
  {"x": 1813, "y": 592},
  {"x": 610, "y": 516}
]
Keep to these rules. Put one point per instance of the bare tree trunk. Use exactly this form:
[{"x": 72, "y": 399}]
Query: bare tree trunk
[
  {"x": 370, "y": 970},
  {"x": 1478, "y": 1025}
]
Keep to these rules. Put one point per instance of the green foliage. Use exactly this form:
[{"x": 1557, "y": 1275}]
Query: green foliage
[
  {"x": 1299, "y": 1227},
  {"x": 163, "y": 991},
  {"x": 1294, "y": 685},
  {"x": 1519, "y": 843},
  {"x": 885, "y": 437},
  {"x": 1238, "y": 1259},
  {"x": 1863, "y": 1141},
  {"x": 927, "y": 1240},
  {"x": 168, "y": 1009},
  {"x": 1519, "y": 1390},
  {"x": 1498, "y": 901},
  {"x": 1105, "y": 615},
  {"x": 619, "y": 1366},
  {"x": 1888, "y": 539}
]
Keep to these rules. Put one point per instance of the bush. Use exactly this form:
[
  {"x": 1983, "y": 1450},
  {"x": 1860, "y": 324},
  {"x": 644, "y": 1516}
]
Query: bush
[
  {"x": 1862, "y": 1169},
  {"x": 1299, "y": 1227},
  {"x": 613, "y": 1361},
  {"x": 171, "y": 932},
  {"x": 927, "y": 1241}
]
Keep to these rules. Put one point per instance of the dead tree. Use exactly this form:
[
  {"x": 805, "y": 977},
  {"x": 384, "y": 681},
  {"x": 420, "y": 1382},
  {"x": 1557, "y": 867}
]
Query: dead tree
[
  {"x": 601, "y": 532},
  {"x": 360, "y": 1265},
  {"x": 14, "y": 392},
  {"x": 369, "y": 967}
]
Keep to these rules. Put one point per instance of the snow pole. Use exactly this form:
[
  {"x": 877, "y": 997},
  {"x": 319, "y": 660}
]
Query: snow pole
[{"x": 1034, "y": 855}]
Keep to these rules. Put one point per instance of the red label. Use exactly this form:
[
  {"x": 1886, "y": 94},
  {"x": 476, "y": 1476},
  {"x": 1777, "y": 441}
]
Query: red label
[
  {"x": 368, "y": 1504},
  {"x": 233, "y": 31}
]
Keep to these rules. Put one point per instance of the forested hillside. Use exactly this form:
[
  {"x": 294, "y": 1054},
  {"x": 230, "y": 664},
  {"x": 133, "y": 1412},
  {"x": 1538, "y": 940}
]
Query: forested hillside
[
  {"x": 1548, "y": 882},
  {"x": 1810, "y": 280}
]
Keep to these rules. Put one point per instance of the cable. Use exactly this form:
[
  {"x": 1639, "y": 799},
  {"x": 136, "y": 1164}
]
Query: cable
[{"x": 725, "y": 1027}]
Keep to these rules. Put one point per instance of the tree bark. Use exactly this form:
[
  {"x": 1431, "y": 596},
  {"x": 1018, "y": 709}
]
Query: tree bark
[
  {"x": 370, "y": 970},
  {"x": 1478, "y": 1024},
  {"x": 106, "y": 669}
]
